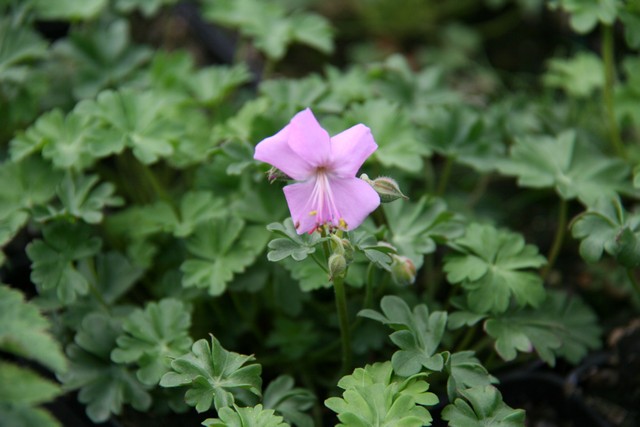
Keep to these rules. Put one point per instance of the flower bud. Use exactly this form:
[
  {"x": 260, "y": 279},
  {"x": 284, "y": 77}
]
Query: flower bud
[
  {"x": 337, "y": 266},
  {"x": 387, "y": 188},
  {"x": 336, "y": 244},
  {"x": 403, "y": 270},
  {"x": 348, "y": 250},
  {"x": 274, "y": 174}
]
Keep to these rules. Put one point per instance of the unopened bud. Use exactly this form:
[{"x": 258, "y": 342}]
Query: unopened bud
[
  {"x": 336, "y": 245},
  {"x": 274, "y": 174},
  {"x": 387, "y": 188},
  {"x": 348, "y": 250},
  {"x": 403, "y": 270},
  {"x": 337, "y": 266}
]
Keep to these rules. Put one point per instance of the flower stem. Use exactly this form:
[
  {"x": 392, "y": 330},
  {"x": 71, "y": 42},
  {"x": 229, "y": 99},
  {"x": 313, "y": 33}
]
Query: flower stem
[
  {"x": 609, "y": 82},
  {"x": 561, "y": 228},
  {"x": 345, "y": 336},
  {"x": 634, "y": 281},
  {"x": 444, "y": 176}
]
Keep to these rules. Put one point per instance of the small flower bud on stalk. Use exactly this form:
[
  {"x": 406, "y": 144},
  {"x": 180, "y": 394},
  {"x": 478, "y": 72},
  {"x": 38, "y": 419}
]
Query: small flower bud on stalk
[
  {"x": 337, "y": 266},
  {"x": 387, "y": 188},
  {"x": 274, "y": 174},
  {"x": 337, "y": 246},
  {"x": 403, "y": 270}
]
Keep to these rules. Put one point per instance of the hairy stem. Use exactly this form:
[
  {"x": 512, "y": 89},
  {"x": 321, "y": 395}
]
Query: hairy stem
[
  {"x": 561, "y": 229},
  {"x": 634, "y": 281},
  {"x": 343, "y": 318},
  {"x": 444, "y": 176},
  {"x": 609, "y": 83}
]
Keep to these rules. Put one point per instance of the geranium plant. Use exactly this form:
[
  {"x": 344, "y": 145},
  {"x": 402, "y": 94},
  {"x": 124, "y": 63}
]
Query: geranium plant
[{"x": 355, "y": 238}]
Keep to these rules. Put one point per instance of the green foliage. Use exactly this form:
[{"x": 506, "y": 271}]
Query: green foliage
[
  {"x": 398, "y": 145},
  {"x": 374, "y": 397},
  {"x": 563, "y": 326},
  {"x": 67, "y": 9},
  {"x": 23, "y": 332},
  {"x": 489, "y": 265},
  {"x": 576, "y": 169},
  {"x": 99, "y": 57},
  {"x": 586, "y": 14},
  {"x": 463, "y": 135},
  {"x": 147, "y": 7},
  {"x": 245, "y": 417},
  {"x": 271, "y": 27},
  {"x": 81, "y": 198},
  {"x": 281, "y": 396},
  {"x": 416, "y": 228},
  {"x": 579, "y": 76},
  {"x": 221, "y": 248},
  {"x": 212, "y": 375},
  {"x": 33, "y": 182},
  {"x": 53, "y": 259},
  {"x": 293, "y": 245},
  {"x": 482, "y": 407},
  {"x": 136, "y": 120},
  {"x": 417, "y": 334},
  {"x": 465, "y": 371},
  {"x": 104, "y": 386},
  {"x": 153, "y": 338},
  {"x": 607, "y": 227}
]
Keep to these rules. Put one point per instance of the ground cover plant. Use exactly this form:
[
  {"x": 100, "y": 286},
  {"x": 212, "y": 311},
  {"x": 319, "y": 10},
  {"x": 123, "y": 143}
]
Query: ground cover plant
[{"x": 297, "y": 213}]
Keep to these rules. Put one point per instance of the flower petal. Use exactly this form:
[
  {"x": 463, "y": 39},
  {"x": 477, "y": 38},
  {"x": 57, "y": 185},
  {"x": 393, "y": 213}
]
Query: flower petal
[
  {"x": 299, "y": 199},
  {"x": 355, "y": 200},
  {"x": 308, "y": 140},
  {"x": 275, "y": 150},
  {"x": 349, "y": 150}
]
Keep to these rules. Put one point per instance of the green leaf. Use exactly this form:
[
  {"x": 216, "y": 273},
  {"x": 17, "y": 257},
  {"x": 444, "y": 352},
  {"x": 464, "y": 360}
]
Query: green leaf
[
  {"x": 465, "y": 371},
  {"x": 309, "y": 275},
  {"x": 398, "y": 146},
  {"x": 221, "y": 247},
  {"x": 281, "y": 396},
  {"x": 563, "y": 326},
  {"x": 27, "y": 387},
  {"x": 68, "y": 9},
  {"x": 270, "y": 26},
  {"x": 102, "y": 57},
  {"x": 572, "y": 167},
  {"x": 462, "y": 134},
  {"x": 246, "y": 417},
  {"x": 482, "y": 407},
  {"x": 18, "y": 44},
  {"x": 138, "y": 120},
  {"x": 53, "y": 259},
  {"x": 292, "y": 244},
  {"x": 67, "y": 141},
  {"x": 607, "y": 227},
  {"x": 417, "y": 227},
  {"x": 26, "y": 416},
  {"x": 489, "y": 265},
  {"x": 23, "y": 331},
  {"x": 153, "y": 338},
  {"x": 586, "y": 14},
  {"x": 292, "y": 338},
  {"x": 212, "y": 84},
  {"x": 292, "y": 95},
  {"x": 579, "y": 76},
  {"x": 33, "y": 182},
  {"x": 104, "y": 386},
  {"x": 417, "y": 334},
  {"x": 212, "y": 374},
  {"x": 374, "y": 397},
  {"x": 148, "y": 7},
  {"x": 81, "y": 198}
]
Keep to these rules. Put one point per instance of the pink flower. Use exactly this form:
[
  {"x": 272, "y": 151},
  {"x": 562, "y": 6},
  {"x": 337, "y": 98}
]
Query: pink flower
[{"x": 327, "y": 191}]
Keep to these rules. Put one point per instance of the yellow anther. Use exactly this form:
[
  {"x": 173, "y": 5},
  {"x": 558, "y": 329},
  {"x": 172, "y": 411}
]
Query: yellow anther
[
  {"x": 342, "y": 223},
  {"x": 312, "y": 213}
]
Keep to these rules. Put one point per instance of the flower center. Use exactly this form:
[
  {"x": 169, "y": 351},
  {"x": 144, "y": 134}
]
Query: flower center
[{"x": 322, "y": 200}]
